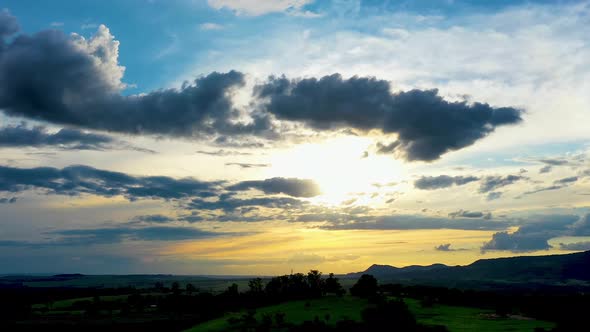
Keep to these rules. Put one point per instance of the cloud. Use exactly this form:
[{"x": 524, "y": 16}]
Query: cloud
[
  {"x": 210, "y": 26},
  {"x": 97, "y": 236},
  {"x": 152, "y": 219},
  {"x": 77, "y": 180},
  {"x": 23, "y": 136},
  {"x": 8, "y": 25},
  {"x": 247, "y": 165},
  {"x": 66, "y": 138},
  {"x": 259, "y": 7},
  {"x": 533, "y": 235},
  {"x": 223, "y": 153},
  {"x": 490, "y": 183},
  {"x": 427, "y": 126},
  {"x": 411, "y": 222},
  {"x": 470, "y": 214},
  {"x": 446, "y": 247},
  {"x": 230, "y": 204},
  {"x": 546, "y": 169},
  {"x": 554, "y": 162},
  {"x": 581, "y": 227},
  {"x": 442, "y": 181},
  {"x": 493, "y": 195},
  {"x": 576, "y": 246},
  {"x": 288, "y": 186},
  {"x": 567, "y": 180},
  {"x": 11, "y": 200},
  {"x": 76, "y": 81},
  {"x": 557, "y": 184}
]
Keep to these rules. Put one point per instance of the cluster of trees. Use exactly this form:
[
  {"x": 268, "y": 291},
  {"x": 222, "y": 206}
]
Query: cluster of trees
[{"x": 297, "y": 285}]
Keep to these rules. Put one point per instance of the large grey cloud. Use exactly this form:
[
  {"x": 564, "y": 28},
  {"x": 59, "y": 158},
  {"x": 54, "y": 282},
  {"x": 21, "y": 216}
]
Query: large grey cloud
[
  {"x": 70, "y": 80},
  {"x": 533, "y": 235},
  {"x": 66, "y": 138},
  {"x": 76, "y": 180},
  {"x": 427, "y": 125},
  {"x": 491, "y": 183},
  {"x": 289, "y": 186},
  {"x": 442, "y": 181}
]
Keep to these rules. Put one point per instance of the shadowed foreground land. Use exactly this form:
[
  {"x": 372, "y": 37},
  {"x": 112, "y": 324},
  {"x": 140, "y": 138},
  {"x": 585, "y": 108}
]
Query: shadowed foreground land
[
  {"x": 334, "y": 309},
  {"x": 308, "y": 302}
]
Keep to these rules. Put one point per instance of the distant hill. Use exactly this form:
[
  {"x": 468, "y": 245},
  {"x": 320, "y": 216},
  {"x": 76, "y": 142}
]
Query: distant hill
[{"x": 550, "y": 269}]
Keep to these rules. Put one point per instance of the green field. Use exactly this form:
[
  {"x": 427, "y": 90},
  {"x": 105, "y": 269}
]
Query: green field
[
  {"x": 456, "y": 319},
  {"x": 297, "y": 312},
  {"x": 459, "y": 319}
]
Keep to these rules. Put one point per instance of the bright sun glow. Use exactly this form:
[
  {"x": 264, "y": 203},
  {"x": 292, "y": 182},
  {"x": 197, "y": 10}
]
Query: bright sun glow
[{"x": 338, "y": 166}]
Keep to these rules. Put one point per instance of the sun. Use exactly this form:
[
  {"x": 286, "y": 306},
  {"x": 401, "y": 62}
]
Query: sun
[{"x": 339, "y": 166}]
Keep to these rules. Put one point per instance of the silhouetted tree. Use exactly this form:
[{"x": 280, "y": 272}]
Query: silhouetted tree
[
  {"x": 175, "y": 287},
  {"x": 332, "y": 285},
  {"x": 315, "y": 282},
  {"x": 256, "y": 286},
  {"x": 232, "y": 290},
  {"x": 366, "y": 286},
  {"x": 190, "y": 289}
]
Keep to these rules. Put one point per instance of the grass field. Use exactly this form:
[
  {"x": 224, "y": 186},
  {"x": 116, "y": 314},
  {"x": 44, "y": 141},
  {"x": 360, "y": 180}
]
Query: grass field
[
  {"x": 459, "y": 319},
  {"x": 456, "y": 319},
  {"x": 297, "y": 312}
]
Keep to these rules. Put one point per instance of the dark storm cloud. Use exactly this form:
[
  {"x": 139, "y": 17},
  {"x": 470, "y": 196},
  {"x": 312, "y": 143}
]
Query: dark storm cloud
[
  {"x": 69, "y": 80},
  {"x": 62, "y": 79},
  {"x": 23, "y": 136},
  {"x": 288, "y": 186},
  {"x": 427, "y": 126},
  {"x": 491, "y": 183},
  {"x": 470, "y": 214},
  {"x": 442, "y": 181},
  {"x": 533, "y": 235},
  {"x": 76, "y": 180}
]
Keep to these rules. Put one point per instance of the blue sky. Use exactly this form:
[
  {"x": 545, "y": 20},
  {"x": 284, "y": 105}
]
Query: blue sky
[{"x": 252, "y": 137}]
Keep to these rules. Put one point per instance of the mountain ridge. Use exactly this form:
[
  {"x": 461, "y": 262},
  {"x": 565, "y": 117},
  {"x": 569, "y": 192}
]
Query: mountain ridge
[{"x": 544, "y": 269}]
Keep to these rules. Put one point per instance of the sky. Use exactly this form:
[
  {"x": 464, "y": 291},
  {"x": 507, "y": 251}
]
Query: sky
[{"x": 249, "y": 137}]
